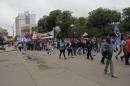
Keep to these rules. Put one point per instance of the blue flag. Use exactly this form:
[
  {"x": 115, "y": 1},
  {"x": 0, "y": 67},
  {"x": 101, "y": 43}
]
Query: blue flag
[
  {"x": 118, "y": 36},
  {"x": 116, "y": 30}
]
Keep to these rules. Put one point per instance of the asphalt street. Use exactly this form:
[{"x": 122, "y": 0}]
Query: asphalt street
[{"x": 37, "y": 68}]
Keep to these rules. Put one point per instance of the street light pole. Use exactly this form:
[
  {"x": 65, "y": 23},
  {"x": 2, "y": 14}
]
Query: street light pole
[{"x": 13, "y": 27}]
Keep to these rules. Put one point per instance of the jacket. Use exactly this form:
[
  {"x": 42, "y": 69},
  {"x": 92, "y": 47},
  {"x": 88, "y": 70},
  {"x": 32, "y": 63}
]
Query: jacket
[{"x": 127, "y": 46}]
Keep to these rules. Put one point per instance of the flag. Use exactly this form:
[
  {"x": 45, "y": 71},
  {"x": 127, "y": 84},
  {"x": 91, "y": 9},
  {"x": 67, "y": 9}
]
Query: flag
[
  {"x": 116, "y": 30},
  {"x": 118, "y": 36},
  {"x": 118, "y": 41}
]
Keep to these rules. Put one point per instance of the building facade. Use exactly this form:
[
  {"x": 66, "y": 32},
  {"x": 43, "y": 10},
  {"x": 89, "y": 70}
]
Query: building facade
[
  {"x": 24, "y": 23},
  {"x": 3, "y": 32}
]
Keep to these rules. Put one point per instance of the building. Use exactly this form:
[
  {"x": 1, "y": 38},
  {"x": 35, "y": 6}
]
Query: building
[
  {"x": 24, "y": 23},
  {"x": 3, "y": 32}
]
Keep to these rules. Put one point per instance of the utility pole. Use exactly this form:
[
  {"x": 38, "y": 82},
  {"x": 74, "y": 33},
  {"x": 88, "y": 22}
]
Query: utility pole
[{"x": 13, "y": 27}]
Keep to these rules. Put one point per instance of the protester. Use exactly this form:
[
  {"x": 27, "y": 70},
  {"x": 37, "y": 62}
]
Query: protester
[
  {"x": 127, "y": 51},
  {"x": 69, "y": 48},
  {"x": 75, "y": 47},
  {"x": 89, "y": 47},
  {"x": 108, "y": 46},
  {"x": 103, "y": 51},
  {"x": 121, "y": 44},
  {"x": 49, "y": 48},
  {"x": 20, "y": 46},
  {"x": 62, "y": 49}
]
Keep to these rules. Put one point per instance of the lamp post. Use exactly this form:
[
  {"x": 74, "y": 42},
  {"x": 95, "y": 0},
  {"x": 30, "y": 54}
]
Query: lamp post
[{"x": 72, "y": 25}]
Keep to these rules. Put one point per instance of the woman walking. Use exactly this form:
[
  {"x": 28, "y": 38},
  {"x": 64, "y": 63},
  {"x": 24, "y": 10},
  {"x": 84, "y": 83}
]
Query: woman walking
[{"x": 62, "y": 49}]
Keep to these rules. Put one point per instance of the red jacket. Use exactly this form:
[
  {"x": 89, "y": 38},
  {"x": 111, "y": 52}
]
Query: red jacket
[{"x": 127, "y": 46}]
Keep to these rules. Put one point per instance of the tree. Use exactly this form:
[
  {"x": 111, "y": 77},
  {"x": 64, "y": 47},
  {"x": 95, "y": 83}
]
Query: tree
[
  {"x": 64, "y": 20},
  {"x": 42, "y": 24},
  {"x": 53, "y": 18},
  {"x": 100, "y": 18},
  {"x": 126, "y": 19},
  {"x": 35, "y": 29},
  {"x": 47, "y": 23},
  {"x": 79, "y": 26}
]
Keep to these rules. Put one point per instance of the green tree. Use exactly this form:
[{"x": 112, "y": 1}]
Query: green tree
[
  {"x": 100, "y": 18},
  {"x": 53, "y": 18},
  {"x": 79, "y": 26},
  {"x": 64, "y": 20},
  {"x": 42, "y": 24},
  {"x": 35, "y": 29},
  {"x": 47, "y": 23},
  {"x": 126, "y": 19}
]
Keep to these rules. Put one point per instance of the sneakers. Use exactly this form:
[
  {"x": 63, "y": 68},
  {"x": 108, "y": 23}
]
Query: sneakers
[{"x": 114, "y": 76}]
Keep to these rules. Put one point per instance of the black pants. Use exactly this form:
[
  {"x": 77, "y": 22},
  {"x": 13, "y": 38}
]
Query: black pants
[
  {"x": 89, "y": 54},
  {"x": 83, "y": 49},
  {"x": 20, "y": 48},
  {"x": 75, "y": 49},
  {"x": 127, "y": 58},
  {"x": 103, "y": 57},
  {"x": 70, "y": 51},
  {"x": 62, "y": 51}
]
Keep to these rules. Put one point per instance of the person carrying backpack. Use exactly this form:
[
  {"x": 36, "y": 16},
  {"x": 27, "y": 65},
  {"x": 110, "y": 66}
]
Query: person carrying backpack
[{"x": 108, "y": 47}]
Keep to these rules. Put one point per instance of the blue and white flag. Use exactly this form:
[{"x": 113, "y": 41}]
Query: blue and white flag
[
  {"x": 118, "y": 36},
  {"x": 116, "y": 30}
]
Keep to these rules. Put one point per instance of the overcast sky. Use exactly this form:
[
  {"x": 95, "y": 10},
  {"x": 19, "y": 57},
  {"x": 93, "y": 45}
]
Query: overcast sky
[{"x": 9, "y": 9}]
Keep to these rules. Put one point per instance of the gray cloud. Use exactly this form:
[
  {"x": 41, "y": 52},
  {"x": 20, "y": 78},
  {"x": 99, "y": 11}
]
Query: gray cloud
[{"x": 10, "y": 8}]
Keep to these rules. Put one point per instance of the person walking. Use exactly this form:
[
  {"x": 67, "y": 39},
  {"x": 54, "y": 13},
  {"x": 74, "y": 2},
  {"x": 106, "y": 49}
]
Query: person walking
[
  {"x": 62, "y": 49},
  {"x": 49, "y": 48},
  {"x": 20, "y": 46},
  {"x": 103, "y": 51},
  {"x": 108, "y": 46},
  {"x": 127, "y": 51},
  {"x": 75, "y": 47},
  {"x": 120, "y": 46},
  {"x": 89, "y": 47},
  {"x": 69, "y": 49}
]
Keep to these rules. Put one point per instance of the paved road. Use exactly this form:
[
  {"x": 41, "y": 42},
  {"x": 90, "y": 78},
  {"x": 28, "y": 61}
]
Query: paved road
[{"x": 35, "y": 68}]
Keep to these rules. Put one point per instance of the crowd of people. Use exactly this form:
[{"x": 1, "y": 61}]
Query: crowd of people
[{"x": 89, "y": 46}]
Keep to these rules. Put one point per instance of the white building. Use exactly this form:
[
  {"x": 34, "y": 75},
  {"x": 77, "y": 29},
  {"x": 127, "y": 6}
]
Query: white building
[{"x": 24, "y": 23}]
